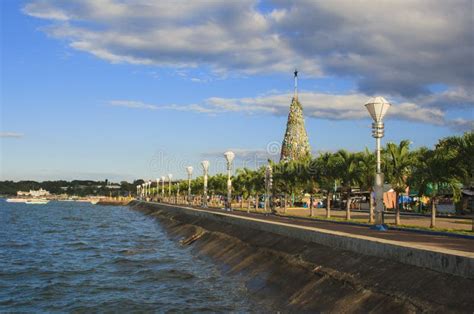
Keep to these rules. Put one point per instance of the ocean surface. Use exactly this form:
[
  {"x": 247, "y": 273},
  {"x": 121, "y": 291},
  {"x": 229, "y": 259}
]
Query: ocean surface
[{"x": 68, "y": 256}]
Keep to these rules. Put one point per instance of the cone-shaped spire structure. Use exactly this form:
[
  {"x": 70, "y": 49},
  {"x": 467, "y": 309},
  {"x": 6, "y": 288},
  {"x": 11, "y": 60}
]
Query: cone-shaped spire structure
[{"x": 295, "y": 143}]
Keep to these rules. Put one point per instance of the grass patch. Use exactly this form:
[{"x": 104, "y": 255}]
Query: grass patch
[
  {"x": 337, "y": 219},
  {"x": 365, "y": 222},
  {"x": 455, "y": 231}
]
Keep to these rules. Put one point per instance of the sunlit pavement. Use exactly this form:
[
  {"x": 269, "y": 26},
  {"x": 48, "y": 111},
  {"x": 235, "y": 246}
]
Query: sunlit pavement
[
  {"x": 434, "y": 242},
  {"x": 461, "y": 224}
]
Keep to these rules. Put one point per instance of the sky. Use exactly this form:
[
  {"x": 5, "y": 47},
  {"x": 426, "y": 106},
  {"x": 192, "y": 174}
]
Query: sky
[{"x": 120, "y": 90}]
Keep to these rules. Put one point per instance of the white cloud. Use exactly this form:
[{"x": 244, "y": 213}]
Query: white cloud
[
  {"x": 131, "y": 104},
  {"x": 460, "y": 124},
  {"x": 391, "y": 47},
  {"x": 400, "y": 49},
  {"x": 10, "y": 135},
  {"x": 141, "y": 105},
  {"x": 316, "y": 105}
]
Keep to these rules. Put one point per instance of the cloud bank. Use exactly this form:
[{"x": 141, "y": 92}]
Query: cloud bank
[
  {"x": 419, "y": 52},
  {"x": 10, "y": 135},
  {"x": 394, "y": 47},
  {"x": 316, "y": 105}
]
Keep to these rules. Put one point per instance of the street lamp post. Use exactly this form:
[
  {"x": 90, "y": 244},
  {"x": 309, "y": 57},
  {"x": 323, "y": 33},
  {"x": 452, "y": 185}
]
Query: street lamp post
[
  {"x": 189, "y": 170},
  {"x": 205, "y": 168},
  {"x": 177, "y": 193},
  {"x": 229, "y": 156},
  {"x": 157, "y": 188},
  {"x": 149, "y": 188},
  {"x": 268, "y": 186},
  {"x": 170, "y": 176},
  {"x": 163, "y": 179},
  {"x": 377, "y": 108}
]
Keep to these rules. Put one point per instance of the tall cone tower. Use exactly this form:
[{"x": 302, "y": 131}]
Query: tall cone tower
[{"x": 295, "y": 143}]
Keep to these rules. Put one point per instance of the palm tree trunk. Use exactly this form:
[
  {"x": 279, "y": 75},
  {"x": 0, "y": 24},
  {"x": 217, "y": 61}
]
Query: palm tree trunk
[
  {"x": 284, "y": 205},
  {"x": 348, "y": 207},
  {"x": 311, "y": 205},
  {"x": 328, "y": 205},
  {"x": 248, "y": 203},
  {"x": 397, "y": 210},
  {"x": 371, "y": 208},
  {"x": 241, "y": 202},
  {"x": 256, "y": 202},
  {"x": 433, "y": 212}
]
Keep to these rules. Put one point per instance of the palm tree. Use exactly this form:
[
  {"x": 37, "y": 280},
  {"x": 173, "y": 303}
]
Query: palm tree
[
  {"x": 432, "y": 175},
  {"x": 287, "y": 177},
  {"x": 245, "y": 182},
  {"x": 398, "y": 169},
  {"x": 311, "y": 175},
  {"x": 258, "y": 183},
  {"x": 326, "y": 169},
  {"x": 458, "y": 153},
  {"x": 217, "y": 185},
  {"x": 366, "y": 177},
  {"x": 347, "y": 166}
]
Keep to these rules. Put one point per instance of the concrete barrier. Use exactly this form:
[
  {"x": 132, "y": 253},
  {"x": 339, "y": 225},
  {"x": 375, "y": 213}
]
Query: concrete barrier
[{"x": 446, "y": 261}]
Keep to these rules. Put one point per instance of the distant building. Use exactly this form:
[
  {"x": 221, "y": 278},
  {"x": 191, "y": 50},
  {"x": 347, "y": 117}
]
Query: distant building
[
  {"x": 33, "y": 193},
  {"x": 113, "y": 186},
  {"x": 295, "y": 144}
]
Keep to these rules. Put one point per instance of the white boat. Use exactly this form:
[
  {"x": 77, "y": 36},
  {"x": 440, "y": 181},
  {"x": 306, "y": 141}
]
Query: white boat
[
  {"x": 17, "y": 200},
  {"x": 37, "y": 201}
]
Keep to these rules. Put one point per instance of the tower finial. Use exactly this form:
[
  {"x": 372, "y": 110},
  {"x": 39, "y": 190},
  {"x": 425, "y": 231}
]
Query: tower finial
[{"x": 296, "y": 84}]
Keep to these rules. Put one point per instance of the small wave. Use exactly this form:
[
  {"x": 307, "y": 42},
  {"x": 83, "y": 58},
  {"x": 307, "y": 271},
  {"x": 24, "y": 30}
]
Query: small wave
[
  {"x": 73, "y": 218},
  {"x": 77, "y": 243},
  {"x": 136, "y": 251},
  {"x": 164, "y": 274},
  {"x": 14, "y": 245},
  {"x": 53, "y": 231},
  {"x": 7, "y": 302}
]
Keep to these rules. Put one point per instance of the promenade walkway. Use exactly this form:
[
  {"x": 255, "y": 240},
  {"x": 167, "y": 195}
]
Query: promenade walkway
[
  {"x": 460, "y": 224},
  {"x": 438, "y": 243}
]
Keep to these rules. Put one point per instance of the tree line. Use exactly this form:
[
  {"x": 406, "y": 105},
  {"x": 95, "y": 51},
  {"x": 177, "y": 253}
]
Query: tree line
[
  {"x": 75, "y": 187},
  {"x": 432, "y": 172}
]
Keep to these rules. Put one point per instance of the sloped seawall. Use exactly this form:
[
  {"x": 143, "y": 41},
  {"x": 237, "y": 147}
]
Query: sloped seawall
[{"x": 292, "y": 274}]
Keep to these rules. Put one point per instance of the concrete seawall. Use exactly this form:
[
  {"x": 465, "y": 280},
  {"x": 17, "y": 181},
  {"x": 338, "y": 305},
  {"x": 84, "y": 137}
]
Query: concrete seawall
[
  {"x": 303, "y": 269},
  {"x": 446, "y": 261}
]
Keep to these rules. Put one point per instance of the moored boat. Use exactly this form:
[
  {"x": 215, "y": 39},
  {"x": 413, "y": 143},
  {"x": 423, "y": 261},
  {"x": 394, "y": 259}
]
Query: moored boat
[
  {"x": 16, "y": 200},
  {"x": 37, "y": 201}
]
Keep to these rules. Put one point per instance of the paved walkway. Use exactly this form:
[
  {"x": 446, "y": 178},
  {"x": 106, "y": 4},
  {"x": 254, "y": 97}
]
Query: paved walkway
[
  {"x": 458, "y": 246},
  {"x": 463, "y": 224}
]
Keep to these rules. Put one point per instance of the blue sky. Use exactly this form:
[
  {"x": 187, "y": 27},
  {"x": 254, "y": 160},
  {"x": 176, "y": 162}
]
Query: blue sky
[{"x": 109, "y": 89}]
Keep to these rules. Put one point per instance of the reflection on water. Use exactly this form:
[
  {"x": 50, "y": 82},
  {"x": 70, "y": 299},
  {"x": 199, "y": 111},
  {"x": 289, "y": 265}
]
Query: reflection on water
[{"x": 67, "y": 256}]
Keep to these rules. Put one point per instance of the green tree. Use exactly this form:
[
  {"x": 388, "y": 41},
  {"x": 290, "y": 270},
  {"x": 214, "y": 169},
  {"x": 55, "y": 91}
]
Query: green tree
[
  {"x": 458, "y": 154},
  {"x": 326, "y": 168},
  {"x": 286, "y": 178},
  {"x": 347, "y": 172},
  {"x": 245, "y": 184},
  {"x": 432, "y": 176},
  {"x": 310, "y": 177},
  {"x": 398, "y": 162},
  {"x": 366, "y": 177}
]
